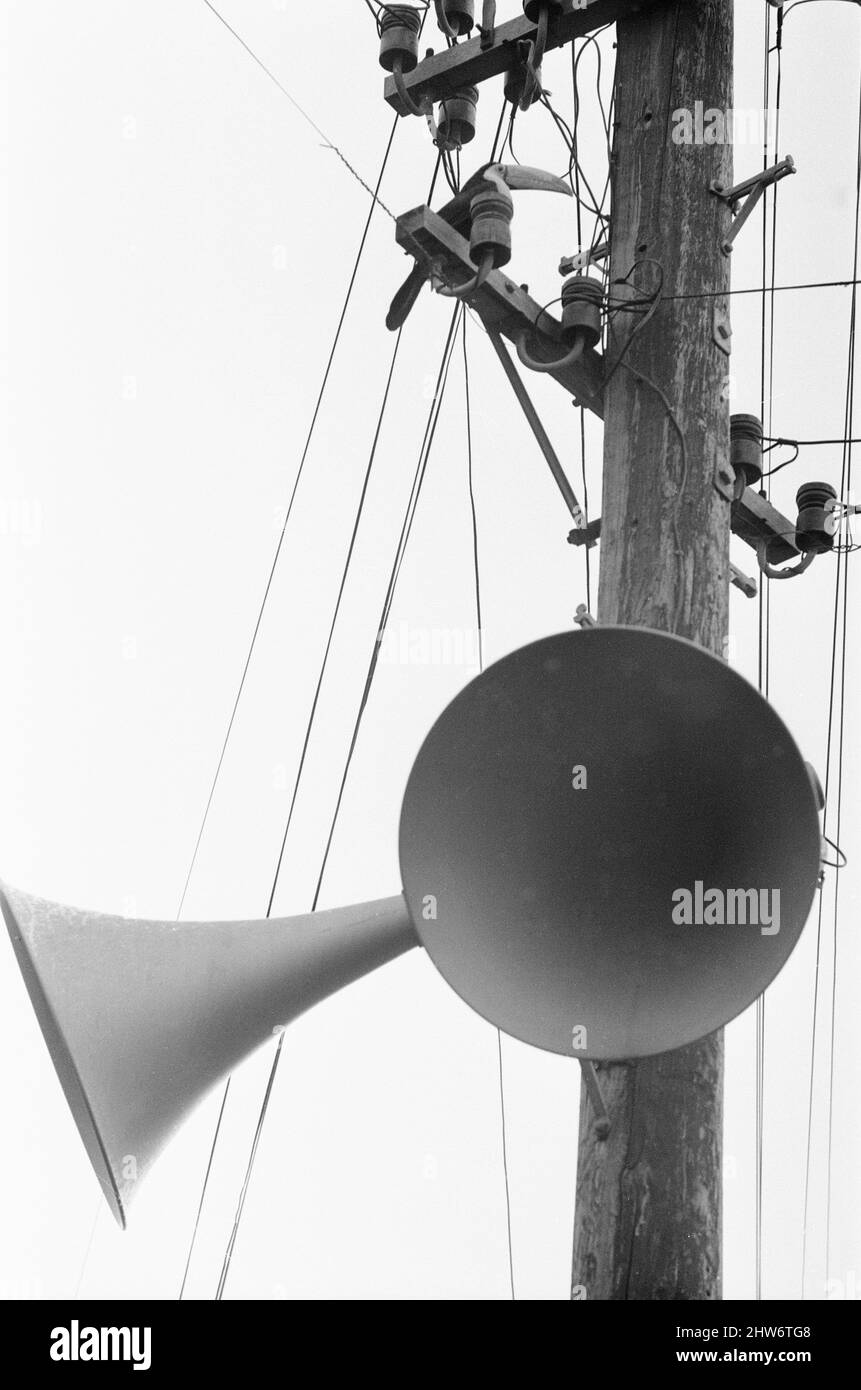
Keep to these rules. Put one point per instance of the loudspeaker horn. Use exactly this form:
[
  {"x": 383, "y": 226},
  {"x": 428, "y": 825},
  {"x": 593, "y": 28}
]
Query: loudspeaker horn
[
  {"x": 143, "y": 1018},
  {"x": 609, "y": 846}
]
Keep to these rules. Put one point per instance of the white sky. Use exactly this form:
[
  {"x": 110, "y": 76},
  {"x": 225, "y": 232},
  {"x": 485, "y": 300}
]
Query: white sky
[{"x": 179, "y": 244}]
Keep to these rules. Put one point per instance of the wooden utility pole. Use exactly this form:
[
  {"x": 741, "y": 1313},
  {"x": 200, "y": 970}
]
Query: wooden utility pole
[
  {"x": 648, "y": 1217},
  {"x": 648, "y": 1214}
]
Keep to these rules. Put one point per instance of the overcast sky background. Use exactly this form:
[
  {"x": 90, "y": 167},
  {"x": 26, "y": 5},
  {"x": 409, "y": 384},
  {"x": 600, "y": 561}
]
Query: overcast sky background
[{"x": 179, "y": 245}]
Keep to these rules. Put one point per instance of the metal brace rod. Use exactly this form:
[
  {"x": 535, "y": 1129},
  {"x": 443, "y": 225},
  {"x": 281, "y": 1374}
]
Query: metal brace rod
[
  {"x": 751, "y": 190},
  {"x": 742, "y": 581},
  {"x": 537, "y": 428},
  {"x": 602, "y": 1118},
  {"x": 583, "y": 618}
]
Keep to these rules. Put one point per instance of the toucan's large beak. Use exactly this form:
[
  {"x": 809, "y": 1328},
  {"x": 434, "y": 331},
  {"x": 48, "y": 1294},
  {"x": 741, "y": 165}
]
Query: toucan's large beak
[{"x": 519, "y": 177}]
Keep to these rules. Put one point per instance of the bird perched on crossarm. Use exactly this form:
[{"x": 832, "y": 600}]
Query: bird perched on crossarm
[{"x": 457, "y": 213}]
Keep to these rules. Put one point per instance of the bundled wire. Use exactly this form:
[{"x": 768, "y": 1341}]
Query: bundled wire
[{"x": 381, "y": 9}]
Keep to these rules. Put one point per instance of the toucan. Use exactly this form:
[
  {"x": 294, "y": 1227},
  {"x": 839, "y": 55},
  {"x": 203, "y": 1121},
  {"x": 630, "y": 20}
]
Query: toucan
[{"x": 457, "y": 213}]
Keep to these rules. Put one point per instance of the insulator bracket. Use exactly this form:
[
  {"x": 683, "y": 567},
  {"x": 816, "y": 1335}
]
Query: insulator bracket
[
  {"x": 742, "y": 581},
  {"x": 487, "y": 28},
  {"x": 748, "y": 194},
  {"x": 571, "y": 265}
]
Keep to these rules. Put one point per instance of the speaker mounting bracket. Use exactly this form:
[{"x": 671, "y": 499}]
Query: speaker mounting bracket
[
  {"x": 601, "y": 1122},
  {"x": 586, "y": 535}
]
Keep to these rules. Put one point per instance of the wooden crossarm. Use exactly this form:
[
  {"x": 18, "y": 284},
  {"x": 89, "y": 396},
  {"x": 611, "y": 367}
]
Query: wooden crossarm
[
  {"x": 501, "y": 303},
  {"x": 468, "y": 64}
]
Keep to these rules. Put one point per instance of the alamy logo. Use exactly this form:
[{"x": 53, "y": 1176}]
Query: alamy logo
[
  {"x": 714, "y": 907},
  {"x": 709, "y": 125},
  {"x": 76, "y": 1343}
]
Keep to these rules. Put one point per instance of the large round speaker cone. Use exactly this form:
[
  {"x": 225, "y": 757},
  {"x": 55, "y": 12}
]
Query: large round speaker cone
[{"x": 553, "y": 899}]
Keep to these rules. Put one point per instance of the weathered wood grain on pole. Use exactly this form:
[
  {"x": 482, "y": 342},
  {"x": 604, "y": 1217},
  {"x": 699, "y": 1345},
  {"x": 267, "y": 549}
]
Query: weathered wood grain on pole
[{"x": 648, "y": 1218}]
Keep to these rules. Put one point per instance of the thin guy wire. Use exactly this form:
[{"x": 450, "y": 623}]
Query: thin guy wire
[
  {"x": 436, "y": 407},
  {"x": 302, "y": 112},
  {"x": 334, "y": 620},
  {"x": 262, "y": 607},
  {"x": 478, "y": 619},
  {"x": 393, "y": 580},
  {"x": 282, "y": 536},
  {"x": 845, "y": 476},
  {"x": 845, "y": 488},
  {"x": 203, "y": 1190}
]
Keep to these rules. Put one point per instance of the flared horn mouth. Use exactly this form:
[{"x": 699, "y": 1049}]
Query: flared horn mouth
[
  {"x": 20, "y": 912},
  {"x": 142, "y": 1018}
]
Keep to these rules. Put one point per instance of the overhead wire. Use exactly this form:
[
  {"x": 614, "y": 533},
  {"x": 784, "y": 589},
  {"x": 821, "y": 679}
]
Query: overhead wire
[
  {"x": 787, "y": 9},
  {"x": 591, "y": 41},
  {"x": 406, "y": 529},
  {"x": 288, "y": 514},
  {"x": 329, "y": 144},
  {"x": 382, "y": 8},
  {"x": 818, "y": 954},
  {"x": 246, "y": 1182},
  {"x": 428, "y": 440},
  {"x": 435, "y": 175},
  {"x": 574, "y": 167},
  {"x": 770, "y": 472},
  {"x": 568, "y": 137},
  {"x": 424, "y": 455},
  {"x": 258, "y": 623},
  {"x": 807, "y": 443},
  {"x": 841, "y": 558},
  {"x": 448, "y": 170},
  {"x": 493, "y": 155},
  {"x": 841, "y": 576},
  {"x": 200, "y": 1205},
  {"x": 89, "y": 1250},
  {"x": 471, "y": 491},
  {"x": 479, "y": 629},
  {"x": 764, "y": 598},
  {"x": 453, "y": 176},
  {"x": 297, "y": 782},
  {"x": 375, "y": 201},
  {"x": 761, "y": 289},
  {"x": 768, "y": 290},
  {"x": 334, "y": 618},
  {"x": 848, "y": 440},
  {"x": 509, "y": 134},
  {"x": 845, "y": 491}
]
